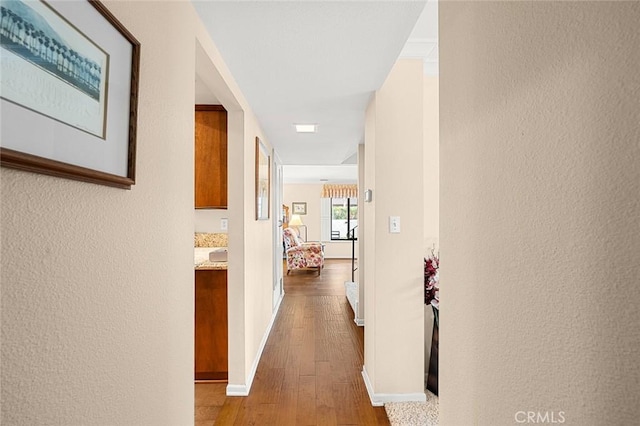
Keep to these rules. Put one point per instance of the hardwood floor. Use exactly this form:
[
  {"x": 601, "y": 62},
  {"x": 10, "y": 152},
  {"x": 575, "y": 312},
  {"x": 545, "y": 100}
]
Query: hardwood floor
[{"x": 309, "y": 373}]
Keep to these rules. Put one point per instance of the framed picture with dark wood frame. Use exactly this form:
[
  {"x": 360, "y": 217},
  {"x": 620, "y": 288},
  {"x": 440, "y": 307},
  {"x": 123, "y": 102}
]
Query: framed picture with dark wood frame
[
  {"x": 263, "y": 174},
  {"x": 69, "y": 91}
]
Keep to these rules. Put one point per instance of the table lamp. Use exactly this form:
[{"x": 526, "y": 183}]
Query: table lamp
[{"x": 296, "y": 222}]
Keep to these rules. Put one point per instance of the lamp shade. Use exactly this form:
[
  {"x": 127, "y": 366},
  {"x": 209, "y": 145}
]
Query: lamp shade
[{"x": 295, "y": 220}]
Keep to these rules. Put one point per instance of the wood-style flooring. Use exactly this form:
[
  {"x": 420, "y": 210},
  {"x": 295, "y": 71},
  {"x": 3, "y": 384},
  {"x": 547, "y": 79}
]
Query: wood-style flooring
[{"x": 310, "y": 371}]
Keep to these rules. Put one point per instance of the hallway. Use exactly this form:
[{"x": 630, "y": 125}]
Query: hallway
[{"x": 309, "y": 373}]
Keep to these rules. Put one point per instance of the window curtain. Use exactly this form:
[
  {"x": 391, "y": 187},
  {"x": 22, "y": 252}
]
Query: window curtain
[{"x": 339, "y": 191}]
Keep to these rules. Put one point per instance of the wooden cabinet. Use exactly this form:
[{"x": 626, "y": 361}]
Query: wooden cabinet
[
  {"x": 210, "y": 157},
  {"x": 211, "y": 325}
]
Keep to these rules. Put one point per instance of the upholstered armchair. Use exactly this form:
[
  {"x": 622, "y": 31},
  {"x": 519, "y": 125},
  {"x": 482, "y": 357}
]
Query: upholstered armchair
[{"x": 302, "y": 255}]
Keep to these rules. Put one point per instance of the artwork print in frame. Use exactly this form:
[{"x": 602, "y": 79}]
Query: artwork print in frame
[
  {"x": 263, "y": 174},
  {"x": 299, "y": 208},
  {"x": 69, "y": 80}
]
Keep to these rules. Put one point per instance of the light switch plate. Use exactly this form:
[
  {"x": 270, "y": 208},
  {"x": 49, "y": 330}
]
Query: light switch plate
[
  {"x": 394, "y": 224},
  {"x": 224, "y": 224}
]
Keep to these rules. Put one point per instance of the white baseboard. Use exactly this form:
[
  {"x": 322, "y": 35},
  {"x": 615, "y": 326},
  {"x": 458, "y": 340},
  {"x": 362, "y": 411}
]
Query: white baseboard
[
  {"x": 237, "y": 390},
  {"x": 378, "y": 399},
  {"x": 359, "y": 321},
  {"x": 243, "y": 390},
  {"x": 352, "y": 297}
]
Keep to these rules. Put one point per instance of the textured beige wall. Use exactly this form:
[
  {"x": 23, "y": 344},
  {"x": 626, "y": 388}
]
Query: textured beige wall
[
  {"x": 97, "y": 283},
  {"x": 236, "y": 276},
  {"x": 368, "y": 211},
  {"x": 250, "y": 273},
  {"x": 394, "y": 261},
  {"x": 431, "y": 192},
  {"x": 431, "y": 164},
  {"x": 310, "y": 193},
  {"x": 540, "y": 229},
  {"x": 361, "y": 233},
  {"x": 208, "y": 220},
  {"x": 258, "y": 249}
]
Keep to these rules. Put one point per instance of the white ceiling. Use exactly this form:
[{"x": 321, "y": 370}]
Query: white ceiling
[
  {"x": 315, "y": 62},
  {"x": 319, "y": 174}
]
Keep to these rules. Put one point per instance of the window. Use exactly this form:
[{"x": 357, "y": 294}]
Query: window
[{"x": 344, "y": 218}]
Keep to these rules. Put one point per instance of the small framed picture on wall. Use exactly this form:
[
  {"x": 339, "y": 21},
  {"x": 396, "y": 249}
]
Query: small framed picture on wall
[{"x": 299, "y": 208}]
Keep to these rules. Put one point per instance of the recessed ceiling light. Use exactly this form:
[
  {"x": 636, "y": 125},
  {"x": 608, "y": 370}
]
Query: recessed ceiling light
[{"x": 306, "y": 128}]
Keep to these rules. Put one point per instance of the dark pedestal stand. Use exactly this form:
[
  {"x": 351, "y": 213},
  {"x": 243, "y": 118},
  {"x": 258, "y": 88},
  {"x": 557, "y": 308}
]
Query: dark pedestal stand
[{"x": 432, "y": 378}]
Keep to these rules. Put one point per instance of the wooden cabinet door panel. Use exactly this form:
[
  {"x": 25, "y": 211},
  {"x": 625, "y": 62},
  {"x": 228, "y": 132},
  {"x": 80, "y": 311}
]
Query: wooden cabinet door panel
[
  {"x": 210, "y": 156},
  {"x": 211, "y": 330}
]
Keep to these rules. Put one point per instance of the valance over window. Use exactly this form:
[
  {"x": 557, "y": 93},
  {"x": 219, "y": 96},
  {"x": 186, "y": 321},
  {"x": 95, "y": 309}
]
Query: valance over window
[{"x": 339, "y": 191}]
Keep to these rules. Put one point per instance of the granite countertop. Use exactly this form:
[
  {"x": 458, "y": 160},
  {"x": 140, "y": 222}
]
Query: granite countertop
[
  {"x": 211, "y": 266},
  {"x": 202, "y": 262}
]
